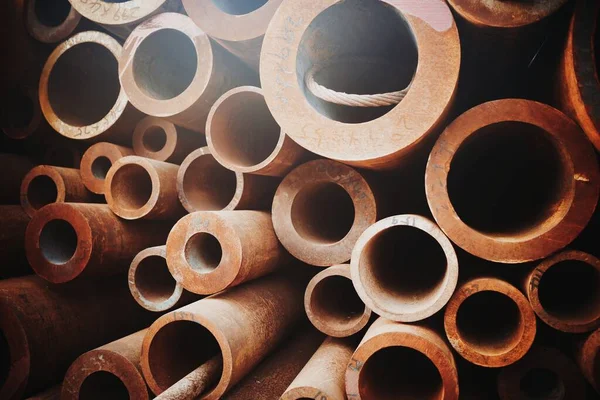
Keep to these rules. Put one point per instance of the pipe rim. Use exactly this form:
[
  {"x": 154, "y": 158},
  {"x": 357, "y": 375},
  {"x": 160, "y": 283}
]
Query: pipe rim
[
  {"x": 18, "y": 346},
  {"x": 102, "y": 149},
  {"x": 42, "y": 171},
  {"x": 110, "y": 13},
  {"x": 50, "y": 34},
  {"x": 142, "y": 129}
]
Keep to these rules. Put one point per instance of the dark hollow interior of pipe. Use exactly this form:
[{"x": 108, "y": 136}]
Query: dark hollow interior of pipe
[
  {"x": 570, "y": 291},
  {"x": 208, "y": 186},
  {"x": 323, "y": 213},
  {"x": 203, "y": 252},
  {"x": 52, "y": 13},
  {"x": 84, "y": 84},
  {"x": 153, "y": 279},
  {"x": 18, "y": 112},
  {"x": 58, "y": 241},
  {"x": 4, "y": 359},
  {"x": 154, "y": 139},
  {"x": 334, "y": 299},
  {"x": 131, "y": 187},
  {"x": 41, "y": 191},
  {"x": 490, "y": 322},
  {"x": 396, "y": 372},
  {"x": 102, "y": 385},
  {"x": 100, "y": 167},
  {"x": 387, "y": 63},
  {"x": 165, "y": 64},
  {"x": 237, "y": 7},
  {"x": 542, "y": 384}
]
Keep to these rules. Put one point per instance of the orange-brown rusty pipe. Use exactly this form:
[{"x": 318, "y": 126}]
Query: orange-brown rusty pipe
[
  {"x": 51, "y": 22},
  {"x": 96, "y": 162},
  {"x": 194, "y": 384},
  {"x": 13, "y": 221},
  {"x": 10, "y": 181}
]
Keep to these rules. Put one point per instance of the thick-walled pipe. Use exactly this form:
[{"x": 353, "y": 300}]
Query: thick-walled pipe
[
  {"x": 171, "y": 69},
  {"x": 197, "y": 382},
  {"x": 13, "y": 220},
  {"x": 489, "y": 322},
  {"x": 96, "y": 162},
  {"x": 395, "y": 359},
  {"x": 243, "y": 136},
  {"x": 162, "y": 140},
  {"x": 66, "y": 240},
  {"x": 80, "y": 93},
  {"x": 332, "y": 305},
  {"x": 588, "y": 359},
  {"x": 544, "y": 373},
  {"x": 51, "y": 22},
  {"x": 241, "y": 325},
  {"x": 512, "y": 181},
  {"x": 320, "y": 209},
  {"x": 205, "y": 185},
  {"x": 137, "y": 187},
  {"x": 324, "y": 374},
  {"x": 211, "y": 251},
  {"x": 16, "y": 167},
  {"x": 404, "y": 268},
  {"x": 564, "y": 291},
  {"x": 46, "y": 184},
  {"x": 45, "y": 328},
  {"x": 112, "y": 371}
]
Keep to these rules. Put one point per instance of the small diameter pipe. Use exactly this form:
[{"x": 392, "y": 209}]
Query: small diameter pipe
[
  {"x": 96, "y": 163},
  {"x": 195, "y": 383},
  {"x": 588, "y": 359},
  {"x": 51, "y": 22}
]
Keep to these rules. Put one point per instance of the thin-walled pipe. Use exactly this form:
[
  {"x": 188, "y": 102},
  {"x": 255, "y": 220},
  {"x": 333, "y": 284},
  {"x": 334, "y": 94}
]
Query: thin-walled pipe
[{"x": 96, "y": 163}]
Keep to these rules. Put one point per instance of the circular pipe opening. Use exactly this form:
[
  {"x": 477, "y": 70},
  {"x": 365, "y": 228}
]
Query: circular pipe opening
[
  {"x": 58, "y": 241},
  {"x": 507, "y": 179},
  {"x": 41, "y": 191},
  {"x": 100, "y": 167},
  {"x": 103, "y": 385},
  {"x": 203, "y": 252},
  {"x": 400, "y": 372},
  {"x": 540, "y": 384},
  {"x": 323, "y": 213},
  {"x": 179, "y": 348},
  {"x": 490, "y": 322},
  {"x": 52, "y": 13},
  {"x": 131, "y": 187},
  {"x": 4, "y": 359},
  {"x": 570, "y": 291},
  {"x": 243, "y": 131},
  {"x": 154, "y": 139},
  {"x": 237, "y": 7},
  {"x": 164, "y": 64},
  {"x": 207, "y": 185},
  {"x": 335, "y": 300},
  {"x": 153, "y": 279},
  {"x": 83, "y": 85},
  {"x": 378, "y": 33}
]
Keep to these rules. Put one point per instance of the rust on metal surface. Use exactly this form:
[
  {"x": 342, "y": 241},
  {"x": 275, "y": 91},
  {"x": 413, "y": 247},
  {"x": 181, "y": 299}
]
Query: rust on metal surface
[
  {"x": 10, "y": 180},
  {"x": 395, "y": 359},
  {"x": 96, "y": 162},
  {"x": 512, "y": 181},
  {"x": 489, "y": 322},
  {"x": 50, "y": 22},
  {"x": 112, "y": 371},
  {"x": 588, "y": 359},
  {"x": 196, "y": 382},
  {"x": 13, "y": 220}
]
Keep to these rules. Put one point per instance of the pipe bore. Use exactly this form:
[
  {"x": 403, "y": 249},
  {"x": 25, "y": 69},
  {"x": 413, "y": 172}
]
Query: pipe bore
[
  {"x": 203, "y": 252},
  {"x": 42, "y": 190},
  {"x": 236, "y": 8},
  {"x": 51, "y": 22},
  {"x": 154, "y": 139},
  {"x": 128, "y": 196},
  {"x": 51, "y": 14},
  {"x": 97, "y": 161},
  {"x": 58, "y": 241},
  {"x": 100, "y": 167},
  {"x": 103, "y": 385}
]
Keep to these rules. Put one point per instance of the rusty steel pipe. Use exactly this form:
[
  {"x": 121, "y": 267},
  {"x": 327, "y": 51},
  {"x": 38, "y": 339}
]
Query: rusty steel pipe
[
  {"x": 140, "y": 188},
  {"x": 404, "y": 268},
  {"x": 512, "y": 181},
  {"x": 588, "y": 359},
  {"x": 162, "y": 140},
  {"x": 320, "y": 209},
  {"x": 44, "y": 328},
  {"x": 66, "y": 240},
  {"x": 332, "y": 305},
  {"x": 96, "y": 163},
  {"x": 242, "y": 325},
  {"x": 112, "y": 371},
  {"x": 46, "y": 184},
  {"x": 544, "y": 373},
  {"x": 51, "y": 22},
  {"x": 214, "y": 250},
  {"x": 13, "y": 220},
  {"x": 395, "y": 359},
  {"x": 194, "y": 384},
  {"x": 489, "y": 322},
  {"x": 10, "y": 181},
  {"x": 243, "y": 136},
  {"x": 80, "y": 93},
  {"x": 171, "y": 69}
]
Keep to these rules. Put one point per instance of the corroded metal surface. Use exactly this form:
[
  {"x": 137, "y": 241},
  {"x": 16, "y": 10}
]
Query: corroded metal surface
[{"x": 96, "y": 162}]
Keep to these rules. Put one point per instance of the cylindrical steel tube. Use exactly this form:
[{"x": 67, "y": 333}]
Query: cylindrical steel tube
[
  {"x": 80, "y": 93},
  {"x": 65, "y": 240},
  {"x": 13, "y": 220},
  {"x": 395, "y": 359},
  {"x": 96, "y": 162},
  {"x": 50, "y": 22},
  {"x": 137, "y": 187},
  {"x": 512, "y": 181},
  {"x": 489, "y": 322},
  {"x": 46, "y": 184},
  {"x": 588, "y": 359},
  {"x": 171, "y": 69},
  {"x": 10, "y": 181},
  {"x": 241, "y": 325},
  {"x": 112, "y": 371},
  {"x": 332, "y": 304},
  {"x": 194, "y": 384},
  {"x": 211, "y": 251},
  {"x": 44, "y": 328}
]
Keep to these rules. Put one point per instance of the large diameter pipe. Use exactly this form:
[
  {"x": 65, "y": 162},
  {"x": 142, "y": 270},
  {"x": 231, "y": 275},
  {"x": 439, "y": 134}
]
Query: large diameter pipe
[
  {"x": 45, "y": 328},
  {"x": 489, "y": 322},
  {"x": 10, "y": 181},
  {"x": 140, "y": 188},
  {"x": 211, "y": 251},
  {"x": 404, "y": 268},
  {"x": 66, "y": 240},
  {"x": 512, "y": 181},
  {"x": 395, "y": 359},
  {"x": 588, "y": 359},
  {"x": 13, "y": 220},
  {"x": 51, "y": 22},
  {"x": 241, "y": 326},
  {"x": 96, "y": 162},
  {"x": 171, "y": 69}
]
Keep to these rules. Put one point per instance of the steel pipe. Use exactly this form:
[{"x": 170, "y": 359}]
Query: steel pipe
[
  {"x": 512, "y": 181},
  {"x": 137, "y": 187},
  {"x": 112, "y": 371},
  {"x": 171, "y": 69},
  {"x": 395, "y": 359},
  {"x": 66, "y": 240},
  {"x": 588, "y": 359},
  {"x": 211, "y": 251},
  {"x": 489, "y": 322},
  {"x": 241, "y": 326},
  {"x": 10, "y": 181},
  {"x": 96, "y": 162},
  {"x": 332, "y": 305},
  {"x": 13, "y": 220},
  {"x": 51, "y": 22},
  {"x": 196, "y": 382}
]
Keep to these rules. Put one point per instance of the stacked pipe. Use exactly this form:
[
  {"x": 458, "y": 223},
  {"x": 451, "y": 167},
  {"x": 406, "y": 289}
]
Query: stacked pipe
[{"x": 299, "y": 199}]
